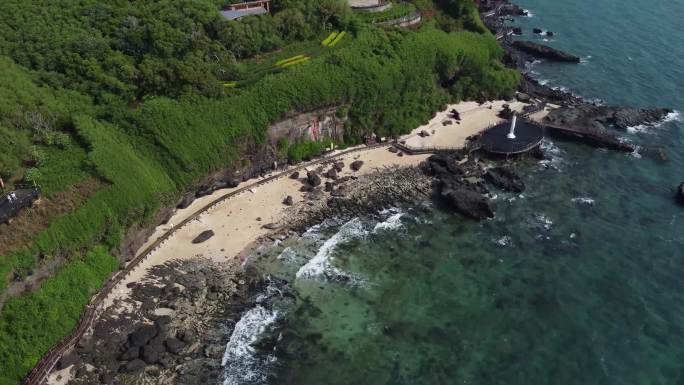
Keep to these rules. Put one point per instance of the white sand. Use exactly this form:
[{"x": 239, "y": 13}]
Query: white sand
[
  {"x": 474, "y": 119},
  {"x": 235, "y": 223}
]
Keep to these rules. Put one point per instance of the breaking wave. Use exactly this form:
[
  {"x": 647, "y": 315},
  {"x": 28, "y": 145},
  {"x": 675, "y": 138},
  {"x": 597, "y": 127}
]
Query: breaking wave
[
  {"x": 243, "y": 365},
  {"x": 673, "y": 116},
  {"x": 583, "y": 200},
  {"x": 391, "y": 223},
  {"x": 320, "y": 265}
]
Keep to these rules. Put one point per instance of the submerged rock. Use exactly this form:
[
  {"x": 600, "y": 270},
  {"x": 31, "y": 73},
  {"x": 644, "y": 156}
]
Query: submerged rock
[
  {"x": 203, "y": 237},
  {"x": 680, "y": 194}
]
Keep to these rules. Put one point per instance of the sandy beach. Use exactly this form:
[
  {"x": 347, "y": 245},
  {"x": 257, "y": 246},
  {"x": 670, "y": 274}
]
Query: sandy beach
[{"x": 239, "y": 220}]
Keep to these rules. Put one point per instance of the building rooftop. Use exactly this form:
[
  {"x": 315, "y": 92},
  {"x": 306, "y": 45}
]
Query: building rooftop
[{"x": 238, "y": 14}]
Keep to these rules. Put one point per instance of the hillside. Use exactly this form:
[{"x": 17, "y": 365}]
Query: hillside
[{"x": 134, "y": 103}]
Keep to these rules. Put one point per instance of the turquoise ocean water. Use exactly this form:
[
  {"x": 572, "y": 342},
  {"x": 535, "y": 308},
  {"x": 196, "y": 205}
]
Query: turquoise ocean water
[{"x": 579, "y": 280}]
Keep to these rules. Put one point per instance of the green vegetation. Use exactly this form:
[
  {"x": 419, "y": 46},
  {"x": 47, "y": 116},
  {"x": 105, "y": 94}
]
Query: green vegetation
[
  {"x": 397, "y": 11},
  {"x": 32, "y": 324},
  {"x": 143, "y": 95},
  {"x": 307, "y": 150}
]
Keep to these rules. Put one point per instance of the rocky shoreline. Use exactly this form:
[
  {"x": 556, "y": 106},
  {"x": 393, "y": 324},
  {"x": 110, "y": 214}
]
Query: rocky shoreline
[
  {"x": 574, "y": 111},
  {"x": 177, "y": 323},
  {"x": 172, "y": 329}
]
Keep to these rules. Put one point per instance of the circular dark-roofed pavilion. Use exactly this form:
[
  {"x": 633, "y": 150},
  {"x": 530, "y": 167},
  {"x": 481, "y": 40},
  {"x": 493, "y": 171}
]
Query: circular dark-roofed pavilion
[{"x": 527, "y": 137}]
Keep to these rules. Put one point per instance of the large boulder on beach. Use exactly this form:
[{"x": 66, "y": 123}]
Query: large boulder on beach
[
  {"x": 356, "y": 165},
  {"x": 332, "y": 173},
  {"x": 505, "y": 178},
  {"x": 174, "y": 345},
  {"x": 294, "y": 175},
  {"x": 142, "y": 335},
  {"x": 203, "y": 236},
  {"x": 469, "y": 203},
  {"x": 523, "y": 97},
  {"x": 680, "y": 194},
  {"x": 134, "y": 366},
  {"x": 339, "y": 166},
  {"x": 288, "y": 201},
  {"x": 130, "y": 354},
  {"x": 313, "y": 179}
]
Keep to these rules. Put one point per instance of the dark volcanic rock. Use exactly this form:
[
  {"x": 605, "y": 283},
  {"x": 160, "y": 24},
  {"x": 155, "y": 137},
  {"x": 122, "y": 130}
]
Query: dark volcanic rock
[
  {"x": 152, "y": 352},
  {"x": 356, "y": 165},
  {"x": 339, "y": 166},
  {"x": 68, "y": 360},
  {"x": 203, "y": 236},
  {"x": 174, "y": 345},
  {"x": 142, "y": 335},
  {"x": 549, "y": 33},
  {"x": 134, "y": 366},
  {"x": 630, "y": 117},
  {"x": 523, "y": 97},
  {"x": 505, "y": 178},
  {"x": 332, "y": 173},
  {"x": 506, "y": 112},
  {"x": 545, "y": 52},
  {"x": 469, "y": 203},
  {"x": 131, "y": 353},
  {"x": 517, "y": 31},
  {"x": 294, "y": 175},
  {"x": 288, "y": 201},
  {"x": 187, "y": 200},
  {"x": 597, "y": 116},
  {"x": 537, "y": 30},
  {"x": 680, "y": 194},
  {"x": 393, "y": 149},
  {"x": 313, "y": 179}
]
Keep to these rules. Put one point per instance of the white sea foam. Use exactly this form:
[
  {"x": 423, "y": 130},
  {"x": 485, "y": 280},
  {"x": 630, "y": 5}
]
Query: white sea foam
[
  {"x": 673, "y": 116},
  {"x": 529, "y": 14},
  {"x": 288, "y": 255},
  {"x": 391, "y": 223},
  {"x": 583, "y": 200},
  {"x": 505, "y": 241},
  {"x": 320, "y": 265},
  {"x": 542, "y": 220},
  {"x": 242, "y": 364}
]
